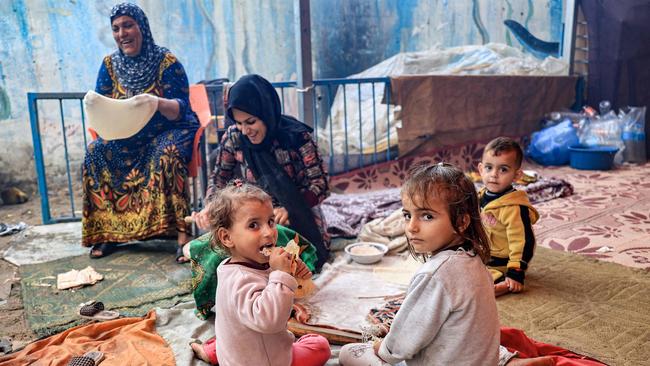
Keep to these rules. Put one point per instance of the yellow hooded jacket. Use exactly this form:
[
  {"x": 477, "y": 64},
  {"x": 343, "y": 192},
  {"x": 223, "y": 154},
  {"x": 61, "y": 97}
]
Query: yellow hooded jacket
[{"x": 508, "y": 222}]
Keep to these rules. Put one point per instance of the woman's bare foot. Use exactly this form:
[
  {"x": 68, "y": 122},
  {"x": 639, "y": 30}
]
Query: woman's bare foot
[
  {"x": 197, "y": 348},
  {"x": 102, "y": 250},
  {"x": 501, "y": 288},
  {"x": 183, "y": 238},
  {"x": 183, "y": 251}
]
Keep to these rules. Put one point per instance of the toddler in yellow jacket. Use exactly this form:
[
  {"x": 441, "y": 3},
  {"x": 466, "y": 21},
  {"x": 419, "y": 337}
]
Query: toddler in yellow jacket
[{"x": 507, "y": 215}]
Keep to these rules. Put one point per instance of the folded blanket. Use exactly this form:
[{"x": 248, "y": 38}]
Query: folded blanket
[
  {"x": 347, "y": 214},
  {"x": 389, "y": 231}
]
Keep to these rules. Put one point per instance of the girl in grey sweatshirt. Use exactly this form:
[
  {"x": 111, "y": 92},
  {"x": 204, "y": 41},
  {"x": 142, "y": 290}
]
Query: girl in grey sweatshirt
[{"x": 449, "y": 315}]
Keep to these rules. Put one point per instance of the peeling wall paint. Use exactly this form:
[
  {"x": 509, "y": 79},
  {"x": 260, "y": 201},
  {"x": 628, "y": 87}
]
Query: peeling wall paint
[
  {"x": 5, "y": 106},
  {"x": 57, "y": 45}
]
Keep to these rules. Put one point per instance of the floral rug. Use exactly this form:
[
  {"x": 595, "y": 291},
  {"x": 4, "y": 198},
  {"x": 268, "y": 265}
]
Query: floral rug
[
  {"x": 391, "y": 174},
  {"x": 607, "y": 217}
]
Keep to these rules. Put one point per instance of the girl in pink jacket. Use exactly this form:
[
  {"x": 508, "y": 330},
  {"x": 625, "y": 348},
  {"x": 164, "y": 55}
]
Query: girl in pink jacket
[{"x": 255, "y": 288}]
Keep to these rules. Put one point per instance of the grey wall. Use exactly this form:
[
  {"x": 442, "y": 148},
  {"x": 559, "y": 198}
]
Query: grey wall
[{"x": 50, "y": 46}]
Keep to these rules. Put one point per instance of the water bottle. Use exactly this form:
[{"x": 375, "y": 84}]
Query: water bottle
[
  {"x": 634, "y": 140},
  {"x": 605, "y": 106}
]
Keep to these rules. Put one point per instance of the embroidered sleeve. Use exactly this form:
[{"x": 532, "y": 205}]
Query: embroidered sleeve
[
  {"x": 224, "y": 166},
  {"x": 315, "y": 172}
]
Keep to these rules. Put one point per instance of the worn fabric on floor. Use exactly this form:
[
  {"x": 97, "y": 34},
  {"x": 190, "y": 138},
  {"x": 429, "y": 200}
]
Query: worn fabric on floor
[
  {"x": 347, "y": 291},
  {"x": 178, "y": 326},
  {"x": 346, "y": 214},
  {"x": 134, "y": 282},
  {"x": 590, "y": 307},
  {"x": 131, "y": 341}
]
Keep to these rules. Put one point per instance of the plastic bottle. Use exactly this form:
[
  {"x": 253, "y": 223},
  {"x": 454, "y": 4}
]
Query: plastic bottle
[
  {"x": 633, "y": 135},
  {"x": 635, "y": 149},
  {"x": 605, "y": 106}
]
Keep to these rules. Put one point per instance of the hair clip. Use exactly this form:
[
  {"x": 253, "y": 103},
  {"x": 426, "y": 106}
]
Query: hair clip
[{"x": 237, "y": 183}]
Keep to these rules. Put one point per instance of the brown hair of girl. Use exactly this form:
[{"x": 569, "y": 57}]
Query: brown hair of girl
[
  {"x": 225, "y": 203},
  {"x": 452, "y": 186}
]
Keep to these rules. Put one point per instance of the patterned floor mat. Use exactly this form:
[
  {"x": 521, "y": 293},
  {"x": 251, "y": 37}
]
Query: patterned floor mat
[
  {"x": 134, "y": 282},
  {"x": 607, "y": 217}
]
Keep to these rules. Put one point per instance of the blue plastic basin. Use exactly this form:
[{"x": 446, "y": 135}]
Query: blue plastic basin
[{"x": 592, "y": 157}]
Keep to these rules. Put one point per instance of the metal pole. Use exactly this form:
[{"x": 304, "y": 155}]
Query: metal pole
[
  {"x": 568, "y": 36},
  {"x": 302, "y": 24}
]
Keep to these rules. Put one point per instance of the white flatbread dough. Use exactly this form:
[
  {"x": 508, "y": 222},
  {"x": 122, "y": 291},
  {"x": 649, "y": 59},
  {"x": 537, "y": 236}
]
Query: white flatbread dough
[{"x": 115, "y": 119}]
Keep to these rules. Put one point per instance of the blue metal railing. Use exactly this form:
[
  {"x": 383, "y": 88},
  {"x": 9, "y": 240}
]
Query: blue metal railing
[
  {"x": 323, "y": 100},
  {"x": 32, "y": 102}
]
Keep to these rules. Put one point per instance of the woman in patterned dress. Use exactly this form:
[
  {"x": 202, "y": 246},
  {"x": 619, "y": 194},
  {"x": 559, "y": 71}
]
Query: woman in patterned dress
[
  {"x": 135, "y": 188},
  {"x": 277, "y": 153}
]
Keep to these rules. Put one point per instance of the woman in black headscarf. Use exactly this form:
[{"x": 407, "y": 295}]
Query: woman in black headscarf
[
  {"x": 277, "y": 153},
  {"x": 135, "y": 188}
]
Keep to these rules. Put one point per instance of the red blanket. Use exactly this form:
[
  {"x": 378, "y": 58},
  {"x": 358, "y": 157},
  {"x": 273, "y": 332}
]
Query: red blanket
[
  {"x": 511, "y": 338},
  {"x": 516, "y": 340}
]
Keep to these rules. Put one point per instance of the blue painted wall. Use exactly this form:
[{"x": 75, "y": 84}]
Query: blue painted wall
[{"x": 58, "y": 45}]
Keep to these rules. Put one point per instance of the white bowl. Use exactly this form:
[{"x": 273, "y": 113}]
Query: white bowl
[{"x": 366, "y": 258}]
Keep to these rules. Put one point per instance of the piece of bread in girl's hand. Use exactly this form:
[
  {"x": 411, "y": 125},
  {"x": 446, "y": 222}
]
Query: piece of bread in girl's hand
[
  {"x": 306, "y": 286},
  {"x": 292, "y": 248}
]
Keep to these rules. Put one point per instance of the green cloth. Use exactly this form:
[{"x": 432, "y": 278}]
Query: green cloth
[{"x": 205, "y": 260}]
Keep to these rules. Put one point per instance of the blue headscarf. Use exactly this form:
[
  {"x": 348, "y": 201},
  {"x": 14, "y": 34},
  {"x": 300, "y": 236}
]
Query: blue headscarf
[{"x": 137, "y": 73}]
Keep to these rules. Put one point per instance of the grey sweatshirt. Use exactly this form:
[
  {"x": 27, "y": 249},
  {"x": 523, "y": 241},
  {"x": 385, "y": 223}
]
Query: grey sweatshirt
[{"x": 449, "y": 315}]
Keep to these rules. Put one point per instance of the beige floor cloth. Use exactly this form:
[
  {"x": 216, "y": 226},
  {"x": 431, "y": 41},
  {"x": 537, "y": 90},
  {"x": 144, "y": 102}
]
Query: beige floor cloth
[
  {"x": 115, "y": 119},
  {"x": 347, "y": 290}
]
